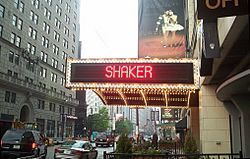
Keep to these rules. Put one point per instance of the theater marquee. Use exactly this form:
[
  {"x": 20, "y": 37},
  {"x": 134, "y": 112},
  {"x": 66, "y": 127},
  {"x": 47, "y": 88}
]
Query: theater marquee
[
  {"x": 130, "y": 72},
  {"x": 135, "y": 82}
]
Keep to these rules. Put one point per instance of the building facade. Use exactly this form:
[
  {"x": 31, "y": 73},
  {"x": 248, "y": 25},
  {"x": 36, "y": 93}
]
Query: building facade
[
  {"x": 36, "y": 37},
  {"x": 221, "y": 122}
]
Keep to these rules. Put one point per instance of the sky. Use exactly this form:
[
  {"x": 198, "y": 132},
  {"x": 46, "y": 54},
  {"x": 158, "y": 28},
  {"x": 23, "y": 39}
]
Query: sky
[{"x": 108, "y": 29}]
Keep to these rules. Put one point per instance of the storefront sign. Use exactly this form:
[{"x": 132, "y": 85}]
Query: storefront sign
[
  {"x": 212, "y": 9},
  {"x": 71, "y": 117},
  {"x": 132, "y": 72}
]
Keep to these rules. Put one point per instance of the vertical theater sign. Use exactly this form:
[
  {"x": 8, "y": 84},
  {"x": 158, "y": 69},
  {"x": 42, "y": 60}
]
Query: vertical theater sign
[{"x": 137, "y": 82}]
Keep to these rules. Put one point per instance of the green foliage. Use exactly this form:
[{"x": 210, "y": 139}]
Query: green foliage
[
  {"x": 99, "y": 122},
  {"x": 124, "y": 145},
  {"x": 123, "y": 126},
  {"x": 145, "y": 148},
  {"x": 190, "y": 146},
  {"x": 155, "y": 141},
  {"x": 166, "y": 144}
]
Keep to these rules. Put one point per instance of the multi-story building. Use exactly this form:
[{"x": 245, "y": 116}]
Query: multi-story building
[
  {"x": 36, "y": 37},
  {"x": 94, "y": 103}
]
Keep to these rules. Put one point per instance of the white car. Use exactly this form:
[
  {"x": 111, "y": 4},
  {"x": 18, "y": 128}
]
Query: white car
[{"x": 76, "y": 149}]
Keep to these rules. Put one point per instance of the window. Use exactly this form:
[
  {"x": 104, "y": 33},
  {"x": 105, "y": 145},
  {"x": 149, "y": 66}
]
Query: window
[
  {"x": 31, "y": 49},
  {"x": 65, "y": 43},
  {"x": 14, "y": 39},
  {"x": 49, "y": 2},
  {"x": 19, "y": 5},
  {"x": 53, "y": 77},
  {"x": 43, "y": 72},
  {"x": 74, "y": 38},
  {"x": 10, "y": 97},
  {"x": 52, "y": 107},
  {"x": 66, "y": 31},
  {"x": 53, "y": 89},
  {"x": 2, "y": 8},
  {"x": 46, "y": 27},
  {"x": 17, "y": 59},
  {"x": 14, "y": 20},
  {"x": 56, "y": 36},
  {"x": 54, "y": 63},
  {"x": 42, "y": 85},
  {"x": 18, "y": 41},
  {"x": 32, "y": 33},
  {"x": 7, "y": 96},
  {"x": 67, "y": 19},
  {"x": 75, "y": 4},
  {"x": 67, "y": 7},
  {"x": 29, "y": 65},
  {"x": 58, "y": 10},
  {"x": 9, "y": 72},
  {"x": 64, "y": 55},
  {"x": 20, "y": 24},
  {"x": 33, "y": 17},
  {"x": 44, "y": 57},
  {"x": 57, "y": 23},
  {"x": 11, "y": 56},
  {"x": 15, "y": 75},
  {"x": 75, "y": 15},
  {"x": 45, "y": 42},
  {"x": 47, "y": 13},
  {"x": 61, "y": 109},
  {"x": 63, "y": 68},
  {"x": 73, "y": 50},
  {"x": 55, "y": 49},
  {"x": 70, "y": 111},
  {"x": 41, "y": 104},
  {"x": 62, "y": 81},
  {"x": 1, "y": 30},
  {"x": 62, "y": 93},
  {"x": 36, "y": 3}
]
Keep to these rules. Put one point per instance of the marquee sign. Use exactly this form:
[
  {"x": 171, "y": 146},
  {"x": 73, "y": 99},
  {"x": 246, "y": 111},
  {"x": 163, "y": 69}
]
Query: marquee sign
[
  {"x": 137, "y": 83},
  {"x": 131, "y": 73}
]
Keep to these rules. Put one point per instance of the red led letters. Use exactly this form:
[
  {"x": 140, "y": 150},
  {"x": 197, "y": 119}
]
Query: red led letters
[{"x": 130, "y": 72}]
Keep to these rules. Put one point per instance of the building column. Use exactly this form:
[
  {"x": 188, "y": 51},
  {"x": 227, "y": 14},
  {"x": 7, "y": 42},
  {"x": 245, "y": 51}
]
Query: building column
[
  {"x": 214, "y": 122},
  {"x": 235, "y": 127},
  {"x": 242, "y": 102}
]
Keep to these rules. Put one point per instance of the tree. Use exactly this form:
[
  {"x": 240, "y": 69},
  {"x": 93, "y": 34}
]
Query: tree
[
  {"x": 98, "y": 122},
  {"x": 190, "y": 146},
  {"x": 124, "y": 145},
  {"x": 123, "y": 126}
]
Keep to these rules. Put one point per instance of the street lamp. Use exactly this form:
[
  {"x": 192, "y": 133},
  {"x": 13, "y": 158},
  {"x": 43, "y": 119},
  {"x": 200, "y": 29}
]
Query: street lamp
[{"x": 63, "y": 121}]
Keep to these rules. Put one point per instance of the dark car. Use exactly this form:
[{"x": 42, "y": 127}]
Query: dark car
[
  {"x": 103, "y": 139},
  {"x": 17, "y": 143},
  {"x": 76, "y": 149}
]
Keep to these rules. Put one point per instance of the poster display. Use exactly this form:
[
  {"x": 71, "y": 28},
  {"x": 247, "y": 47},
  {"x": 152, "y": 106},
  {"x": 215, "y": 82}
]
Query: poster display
[{"x": 162, "y": 32}]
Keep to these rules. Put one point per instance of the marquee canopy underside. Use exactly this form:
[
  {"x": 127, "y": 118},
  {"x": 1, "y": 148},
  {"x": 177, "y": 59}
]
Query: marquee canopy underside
[{"x": 146, "y": 98}]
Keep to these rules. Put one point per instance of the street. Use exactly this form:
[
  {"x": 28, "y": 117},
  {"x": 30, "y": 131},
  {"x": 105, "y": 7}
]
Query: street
[{"x": 50, "y": 153}]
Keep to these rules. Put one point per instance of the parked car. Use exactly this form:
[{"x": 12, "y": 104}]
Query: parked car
[
  {"x": 21, "y": 143},
  {"x": 104, "y": 139},
  {"x": 76, "y": 149}
]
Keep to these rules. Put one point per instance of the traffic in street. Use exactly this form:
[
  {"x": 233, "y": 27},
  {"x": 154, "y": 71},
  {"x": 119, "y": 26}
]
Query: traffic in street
[{"x": 100, "y": 150}]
